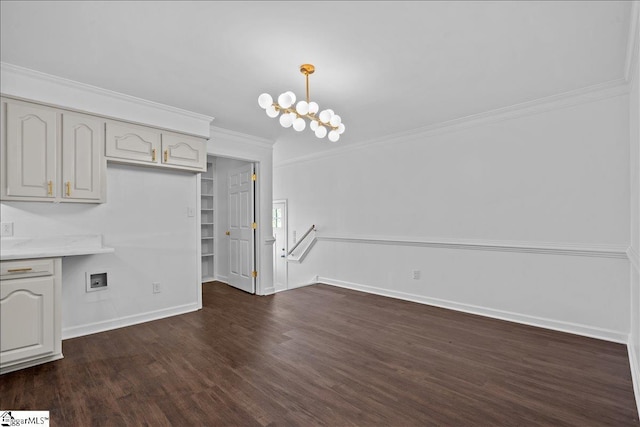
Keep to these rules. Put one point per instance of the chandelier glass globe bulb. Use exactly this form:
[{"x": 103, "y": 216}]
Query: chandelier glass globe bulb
[
  {"x": 313, "y": 107},
  {"x": 299, "y": 124},
  {"x": 313, "y": 125},
  {"x": 285, "y": 100},
  {"x": 265, "y": 100},
  {"x": 341, "y": 128},
  {"x": 292, "y": 95},
  {"x": 334, "y": 136},
  {"x": 335, "y": 120},
  {"x": 325, "y": 116},
  {"x": 302, "y": 107},
  {"x": 321, "y": 132},
  {"x": 286, "y": 121},
  {"x": 271, "y": 111}
]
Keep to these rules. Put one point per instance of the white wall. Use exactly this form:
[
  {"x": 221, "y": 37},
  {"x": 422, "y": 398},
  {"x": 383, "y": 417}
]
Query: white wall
[
  {"x": 556, "y": 178},
  {"x": 223, "y": 166},
  {"x": 145, "y": 220}
]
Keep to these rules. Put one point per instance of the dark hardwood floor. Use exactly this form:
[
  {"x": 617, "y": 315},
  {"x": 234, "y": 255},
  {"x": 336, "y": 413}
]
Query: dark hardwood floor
[{"x": 322, "y": 355}]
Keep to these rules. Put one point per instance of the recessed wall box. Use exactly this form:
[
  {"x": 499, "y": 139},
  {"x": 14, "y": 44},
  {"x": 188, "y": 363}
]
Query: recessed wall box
[{"x": 96, "y": 281}]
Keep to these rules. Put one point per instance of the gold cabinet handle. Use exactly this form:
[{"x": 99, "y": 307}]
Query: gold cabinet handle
[
  {"x": 50, "y": 188},
  {"x": 166, "y": 155},
  {"x": 19, "y": 270},
  {"x": 153, "y": 155},
  {"x": 68, "y": 188},
  {"x": 228, "y": 233}
]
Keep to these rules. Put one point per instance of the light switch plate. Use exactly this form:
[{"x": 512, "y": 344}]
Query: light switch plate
[{"x": 191, "y": 211}]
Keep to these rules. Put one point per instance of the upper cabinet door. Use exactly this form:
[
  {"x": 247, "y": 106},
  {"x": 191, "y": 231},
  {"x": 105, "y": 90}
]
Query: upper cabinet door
[
  {"x": 181, "y": 150},
  {"x": 82, "y": 158},
  {"x": 129, "y": 142},
  {"x": 31, "y": 144}
]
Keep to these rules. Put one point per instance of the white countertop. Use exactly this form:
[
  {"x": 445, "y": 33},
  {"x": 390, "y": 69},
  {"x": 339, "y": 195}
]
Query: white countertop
[{"x": 49, "y": 247}]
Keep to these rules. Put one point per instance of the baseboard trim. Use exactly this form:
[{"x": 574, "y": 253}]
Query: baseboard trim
[
  {"x": 268, "y": 291},
  {"x": 634, "y": 364},
  {"x": 30, "y": 363},
  {"x": 93, "y": 328},
  {"x": 572, "y": 328}
]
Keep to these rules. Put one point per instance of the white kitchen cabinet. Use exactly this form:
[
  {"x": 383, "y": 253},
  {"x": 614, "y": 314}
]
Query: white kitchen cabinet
[
  {"x": 141, "y": 145},
  {"x": 82, "y": 160},
  {"x": 31, "y": 145},
  {"x": 51, "y": 154},
  {"x": 182, "y": 150},
  {"x": 132, "y": 143},
  {"x": 30, "y": 321}
]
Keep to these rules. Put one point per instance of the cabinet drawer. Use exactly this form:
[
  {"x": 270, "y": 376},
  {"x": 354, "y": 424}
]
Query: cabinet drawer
[{"x": 27, "y": 268}]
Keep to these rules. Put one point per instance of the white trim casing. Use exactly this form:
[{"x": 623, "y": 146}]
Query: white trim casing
[
  {"x": 634, "y": 258},
  {"x": 631, "y": 58}
]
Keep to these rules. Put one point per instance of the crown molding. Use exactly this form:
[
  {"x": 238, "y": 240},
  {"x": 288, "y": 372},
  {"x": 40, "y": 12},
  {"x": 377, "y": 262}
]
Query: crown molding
[
  {"x": 584, "y": 95},
  {"x": 633, "y": 43},
  {"x": 549, "y": 248},
  {"x": 233, "y": 136},
  {"x": 34, "y": 85}
]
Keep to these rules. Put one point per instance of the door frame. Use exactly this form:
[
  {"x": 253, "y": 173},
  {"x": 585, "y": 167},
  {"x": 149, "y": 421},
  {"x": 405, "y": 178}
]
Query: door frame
[{"x": 286, "y": 244}]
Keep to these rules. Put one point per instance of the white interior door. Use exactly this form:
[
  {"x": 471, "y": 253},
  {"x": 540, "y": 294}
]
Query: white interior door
[
  {"x": 280, "y": 253},
  {"x": 241, "y": 231}
]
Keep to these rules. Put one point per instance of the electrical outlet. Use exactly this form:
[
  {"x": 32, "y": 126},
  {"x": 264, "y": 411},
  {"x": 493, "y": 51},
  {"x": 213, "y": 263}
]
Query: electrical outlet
[
  {"x": 416, "y": 274},
  {"x": 6, "y": 229},
  {"x": 156, "y": 287},
  {"x": 191, "y": 211}
]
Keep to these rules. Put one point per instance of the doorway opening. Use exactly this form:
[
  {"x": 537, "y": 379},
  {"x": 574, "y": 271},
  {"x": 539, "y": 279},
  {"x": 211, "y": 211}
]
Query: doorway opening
[{"x": 228, "y": 222}]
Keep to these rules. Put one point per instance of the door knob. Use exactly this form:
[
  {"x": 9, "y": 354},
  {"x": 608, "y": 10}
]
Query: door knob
[{"x": 228, "y": 233}]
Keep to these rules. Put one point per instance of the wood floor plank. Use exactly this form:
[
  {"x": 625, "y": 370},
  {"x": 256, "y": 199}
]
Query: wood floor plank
[{"x": 322, "y": 355}]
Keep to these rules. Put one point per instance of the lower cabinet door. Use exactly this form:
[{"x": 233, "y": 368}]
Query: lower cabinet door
[{"x": 26, "y": 318}]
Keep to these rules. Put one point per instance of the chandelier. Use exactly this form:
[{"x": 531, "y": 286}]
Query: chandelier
[{"x": 293, "y": 115}]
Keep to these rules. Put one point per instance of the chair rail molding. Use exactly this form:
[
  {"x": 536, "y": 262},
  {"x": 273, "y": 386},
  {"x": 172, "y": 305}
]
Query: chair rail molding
[{"x": 552, "y": 248}]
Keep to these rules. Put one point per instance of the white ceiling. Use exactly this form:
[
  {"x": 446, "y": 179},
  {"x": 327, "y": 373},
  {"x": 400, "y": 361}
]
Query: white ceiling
[{"x": 385, "y": 67}]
